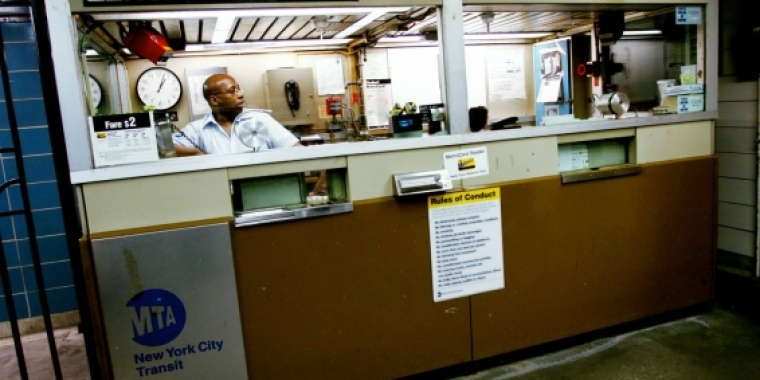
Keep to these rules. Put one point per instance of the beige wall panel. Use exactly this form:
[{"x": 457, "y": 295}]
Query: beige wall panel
[
  {"x": 601, "y": 135},
  {"x": 152, "y": 201},
  {"x": 737, "y": 114},
  {"x": 735, "y": 140},
  {"x": 730, "y": 90},
  {"x": 370, "y": 175},
  {"x": 737, "y": 216},
  {"x": 516, "y": 160},
  {"x": 675, "y": 141},
  {"x": 286, "y": 167},
  {"x": 739, "y": 191},
  {"x": 736, "y": 241},
  {"x": 736, "y": 165}
]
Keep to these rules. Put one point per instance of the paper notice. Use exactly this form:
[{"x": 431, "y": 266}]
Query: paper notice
[
  {"x": 377, "y": 103},
  {"x": 376, "y": 67},
  {"x": 330, "y": 77},
  {"x": 506, "y": 75},
  {"x": 550, "y": 91},
  {"x": 466, "y": 243}
]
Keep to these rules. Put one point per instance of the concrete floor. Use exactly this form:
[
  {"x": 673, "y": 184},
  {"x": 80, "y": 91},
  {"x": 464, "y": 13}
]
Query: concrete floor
[
  {"x": 70, "y": 344},
  {"x": 722, "y": 342}
]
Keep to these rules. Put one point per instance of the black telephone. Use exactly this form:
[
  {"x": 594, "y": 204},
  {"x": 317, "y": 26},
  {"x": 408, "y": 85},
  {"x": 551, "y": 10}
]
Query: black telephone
[{"x": 293, "y": 95}]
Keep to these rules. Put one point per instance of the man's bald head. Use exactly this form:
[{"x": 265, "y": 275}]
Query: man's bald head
[{"x": 213, "y": 83}]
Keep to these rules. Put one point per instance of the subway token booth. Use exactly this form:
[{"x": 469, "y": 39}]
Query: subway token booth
[{"x": 371, "y": 255}]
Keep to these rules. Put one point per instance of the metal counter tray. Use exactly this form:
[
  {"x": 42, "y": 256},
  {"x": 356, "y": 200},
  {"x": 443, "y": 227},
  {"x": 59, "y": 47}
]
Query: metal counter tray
[{"x": 253, "y": 218}]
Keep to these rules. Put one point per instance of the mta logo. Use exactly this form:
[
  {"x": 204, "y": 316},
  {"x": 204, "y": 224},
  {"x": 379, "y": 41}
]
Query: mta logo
[{"x": 158, "y": 317}]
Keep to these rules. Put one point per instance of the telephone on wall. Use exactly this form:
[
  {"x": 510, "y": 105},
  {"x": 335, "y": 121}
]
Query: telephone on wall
[{"x": 293, "y": 96}]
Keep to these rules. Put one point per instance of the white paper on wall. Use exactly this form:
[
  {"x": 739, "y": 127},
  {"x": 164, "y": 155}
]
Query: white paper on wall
[
  {"x": 506, "y": 75},
  {"x": 378, "y": 100},
  {"x": 376, "y": 66},
  {"x": 198, "y": 103},
  {"x": 330, "y": 76}
]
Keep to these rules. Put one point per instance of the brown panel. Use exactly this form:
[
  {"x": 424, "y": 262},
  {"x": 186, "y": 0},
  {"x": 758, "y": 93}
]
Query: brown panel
[
  {"x": 346, "y": 297},
  {"x": 585, "y": 256}
]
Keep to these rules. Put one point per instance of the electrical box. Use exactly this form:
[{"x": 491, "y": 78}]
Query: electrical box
[{"x": 296, "y": 106}]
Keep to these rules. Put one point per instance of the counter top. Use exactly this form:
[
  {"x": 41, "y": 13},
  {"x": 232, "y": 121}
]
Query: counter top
[{"x": 220, "y": 161}]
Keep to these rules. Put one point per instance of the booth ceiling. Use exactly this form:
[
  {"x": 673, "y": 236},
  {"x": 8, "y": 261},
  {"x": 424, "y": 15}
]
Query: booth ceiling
[{"x": 107, "y": 30}]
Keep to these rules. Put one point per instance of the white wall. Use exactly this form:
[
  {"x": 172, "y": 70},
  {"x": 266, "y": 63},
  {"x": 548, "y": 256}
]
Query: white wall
[
  {"x": 414, "y": 75},
  {"x": 247, "y": 69}
]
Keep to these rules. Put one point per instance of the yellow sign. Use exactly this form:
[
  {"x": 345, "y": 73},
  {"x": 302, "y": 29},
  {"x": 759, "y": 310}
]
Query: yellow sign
[{"x": 464, "y": 197}]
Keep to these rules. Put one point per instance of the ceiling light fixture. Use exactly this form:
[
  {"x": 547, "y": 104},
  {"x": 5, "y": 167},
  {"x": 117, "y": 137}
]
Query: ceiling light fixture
[
  {"x": 642, "y": 32},
  {"x": 222, "y": 29},
  {"x": 487, "y": 18},
  {"x": 320, "y": 23},
  {"x": 505, "y": 36},
  {"x": 366, "y": 20},
  {"x": 331, "y": 43}
]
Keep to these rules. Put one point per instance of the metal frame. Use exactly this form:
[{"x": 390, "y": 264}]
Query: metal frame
[{"x": 35, "y": 9}]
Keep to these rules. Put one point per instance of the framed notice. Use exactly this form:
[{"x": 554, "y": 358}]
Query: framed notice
[
  {"x": 465, "y": 243},
  {"x": 123, "y": 139}
]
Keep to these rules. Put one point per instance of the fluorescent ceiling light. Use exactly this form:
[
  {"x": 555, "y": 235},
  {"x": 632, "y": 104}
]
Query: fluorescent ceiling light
[
  {"x": 642, "y": 32},
  {"x": 197, "y": 15},
  {"x": 90, "y": 52},
  {"x": 366, "y": 20},
  {"x": 222, "y": 29},
  {"x": 504, "y": 36},
  {"x": 267, "y": 44}
]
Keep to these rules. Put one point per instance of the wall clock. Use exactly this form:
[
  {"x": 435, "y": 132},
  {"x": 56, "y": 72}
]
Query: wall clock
[
  {"x": 96, "y": 93},
  {"x": 159, "y": 87}
]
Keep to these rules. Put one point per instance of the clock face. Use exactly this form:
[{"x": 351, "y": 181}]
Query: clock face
[
  {"x": 159, "y": 87},
  {"x": 96, "y": 93}
]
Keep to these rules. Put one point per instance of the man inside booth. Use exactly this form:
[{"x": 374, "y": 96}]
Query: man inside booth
[{"x": 230, "y": 127}]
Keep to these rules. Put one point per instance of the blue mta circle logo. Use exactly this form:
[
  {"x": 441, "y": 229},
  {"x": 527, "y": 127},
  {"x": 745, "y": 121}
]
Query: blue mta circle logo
[{"x": 158, "y": 317}]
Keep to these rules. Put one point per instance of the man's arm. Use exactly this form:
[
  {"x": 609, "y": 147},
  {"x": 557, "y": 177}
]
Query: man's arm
[{"x": 183, "y": 151}]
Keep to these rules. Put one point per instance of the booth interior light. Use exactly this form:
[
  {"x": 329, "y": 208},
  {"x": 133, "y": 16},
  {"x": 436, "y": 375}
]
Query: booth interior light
[
  {"x": 505, "y": 36},
  {"x": 331, "y": 43},
  {"x": 368, "y": 19},
  {"x": 653, "y": 32},
  {"x": 222, "y": 28}
]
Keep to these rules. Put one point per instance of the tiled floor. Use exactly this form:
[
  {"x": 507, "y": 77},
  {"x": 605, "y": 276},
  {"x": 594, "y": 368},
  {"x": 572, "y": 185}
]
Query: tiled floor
[{"x": 37, "y": 355}]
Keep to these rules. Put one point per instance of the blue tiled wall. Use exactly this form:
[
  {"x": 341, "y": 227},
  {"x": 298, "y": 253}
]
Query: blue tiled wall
[{"x": 26, "y": 91}]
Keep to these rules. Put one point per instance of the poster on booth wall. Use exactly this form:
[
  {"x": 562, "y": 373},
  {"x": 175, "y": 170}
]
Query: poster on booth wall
[
  {"x": 466, "y": 243},
  {"x": 378, "y": 100},
  {"x": 123, "y": 139},
  {"x": 466, "y": 163}
]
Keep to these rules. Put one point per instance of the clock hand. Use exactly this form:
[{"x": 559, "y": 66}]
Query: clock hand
[{"x": 163, "y": 79}]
